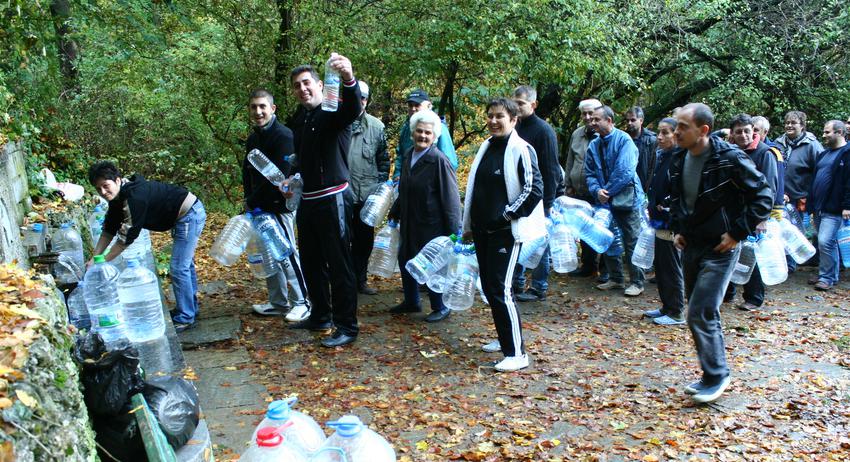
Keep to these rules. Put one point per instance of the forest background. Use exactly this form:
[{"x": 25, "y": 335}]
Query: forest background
[{"x": 161, "y": 85}]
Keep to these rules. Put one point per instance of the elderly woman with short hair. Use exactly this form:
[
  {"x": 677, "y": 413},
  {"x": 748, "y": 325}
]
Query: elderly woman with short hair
[{"x": 428, "y": 206}]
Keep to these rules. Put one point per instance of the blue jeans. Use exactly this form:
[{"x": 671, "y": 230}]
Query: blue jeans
[
  {"x": 539, "y": 276},
  {"x": 707, "y": 273},
  {"x": 828, "y": 226},
  {"x": 184, "y": 280}
]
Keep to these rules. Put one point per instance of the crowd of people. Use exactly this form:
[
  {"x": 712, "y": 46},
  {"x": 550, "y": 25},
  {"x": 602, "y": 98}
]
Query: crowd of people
[{"x": 704, "y": 188}]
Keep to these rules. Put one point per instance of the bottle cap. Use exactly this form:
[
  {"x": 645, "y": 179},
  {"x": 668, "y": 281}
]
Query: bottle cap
[
  {"x": 392, "y": 224},
  {"x": 269, "y": 437},
  {"x": 100, "y": 258},
  {"x": 347, "y": 425},
  {"x": 65, "y": 226},
  {"x": 38, "y": 227},
  {"x": 280, "y": 409},
  {"x": 132, "y": 263}
]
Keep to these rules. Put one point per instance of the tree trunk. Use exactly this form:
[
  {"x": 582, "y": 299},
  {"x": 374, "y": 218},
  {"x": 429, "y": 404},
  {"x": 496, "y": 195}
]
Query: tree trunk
[
  {"x": 283, "y": 47},
  {"x": 447, "y": 99},
  {"x": 68, "y": 49}
]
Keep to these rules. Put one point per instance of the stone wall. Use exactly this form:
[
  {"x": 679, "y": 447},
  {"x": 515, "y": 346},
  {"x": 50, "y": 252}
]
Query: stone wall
[{"x": 14, "y": 203}]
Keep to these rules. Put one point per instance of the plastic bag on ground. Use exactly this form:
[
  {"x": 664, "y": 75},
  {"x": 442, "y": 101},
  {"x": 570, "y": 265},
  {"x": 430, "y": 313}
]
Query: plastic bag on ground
[
  {"x": 174, "y": 403},
  {"x": 109, "y": 378}
]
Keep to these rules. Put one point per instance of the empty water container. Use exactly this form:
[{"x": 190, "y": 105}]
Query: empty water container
[
  {"x": 357, "y": 443},
  {"x": 616, "y": 248},
  {"x": 463, "y": 272},
  {"x": 300, "y": 429},
  {"x": 78, "y": 314},
  {"x": 96, "y": 220},
  {"x": 843, "y": 238},
  {"x": 796, "y": 244},
  {"x": 269, "y": 445},
  {"x": 260, "y": 259},
  {"x": 790, "y": 213},
  {"x": 430, "y": 259},
  {"x": 384, "y": 255},
  {"x": 643, "y": 255},
  {"x": 71, "y": 265},
  {"x": 437, "y": 282},
  {"x": 377, "y": 205},
  {"x": 532, "y": 252},
  {"x": 331, "y": 97},
  {"x": 296, "y": 187},
  {"x": 232, "y": 240},
  {"x": 598, "y": 237},
  {"x": 746, "y": 261},
  {"x": 603, "y": 216},
  {"x": 35, "y": 239},
  {"x": 138, "y": 291},
  {"x": 272, "y": 235},
  {"x": 266, "y": 167},
  {"x": 770, "y": 255},
  {"x": 562, "y": 248},
  {"x": 101, "y": 296},
  {"x": 566, "y": 204}
]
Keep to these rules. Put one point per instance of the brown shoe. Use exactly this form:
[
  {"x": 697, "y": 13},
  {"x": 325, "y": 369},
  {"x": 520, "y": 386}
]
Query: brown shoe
[
  {"x": 822, "y": 286},
  {"x": 813, "y": 280},
  {"x": 746, "y": 306}
]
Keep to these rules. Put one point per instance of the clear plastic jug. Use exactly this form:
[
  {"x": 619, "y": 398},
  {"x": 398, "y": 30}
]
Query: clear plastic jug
[{"x": 384, "y": 255}]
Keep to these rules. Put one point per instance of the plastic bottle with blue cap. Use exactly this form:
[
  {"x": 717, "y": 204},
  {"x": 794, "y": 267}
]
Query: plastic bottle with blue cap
[
  {"x": 300, "y": 430},
  {"x": 355, "y": 442},
  {"x": 746, "y": 261},
  {"x": 71, "y": 265}
]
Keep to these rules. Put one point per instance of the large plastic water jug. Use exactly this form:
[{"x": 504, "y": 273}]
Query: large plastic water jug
[
  {"x": 843, "y": 238},
  {"x": 566, "y": 204},
  {"x": 430, "y": 259},
  {"x": 790, "y": 213},
  {"x": 303, "y": 432},
  {"x": 437, "y": 282},
  {"x": 270, "y": 445},
  {"x": 296, "y": 187},
  {"x": 463, "y": 272},
  {"x": 138, "y": 291},
  {"x": 68, "y": 243},
  {"x": 272, "y": 235},
  {"x": 770, "y": 255},
  {"x": 532, "y": 252},
  {"x": 384, "y": 255},
  {"x": 616, "y": 248},
  {"x": 266, "y": 167},
  {"x": 562, "y": 247},
  {"x": 96, "y": 219},
  {"x": 603, "y": 216},
  {"x": 643, "y": 255},
  {"x": 746, "y": 261},
  {"x": 232, "y": 240},
  {"x": 357, "y": 442},
  {"x": 598, "y": 237},
  {"x": 260, "y": 260},
  {"x": 796, "y": 244},
  {"x": 35, "y": 239},
  {"x": 377, "y": 205},
  {"x": 78, "y": 314},
  {"x": 101, "y": 295}
]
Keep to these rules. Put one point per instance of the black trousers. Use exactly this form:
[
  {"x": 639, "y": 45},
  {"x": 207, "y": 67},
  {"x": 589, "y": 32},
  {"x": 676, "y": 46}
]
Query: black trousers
[
  {"x": 497, "y": 256},
  {"x": 362, "y": 240},
  {"x": 668, "y": 276},
  {"x": 324, "y": 238}
]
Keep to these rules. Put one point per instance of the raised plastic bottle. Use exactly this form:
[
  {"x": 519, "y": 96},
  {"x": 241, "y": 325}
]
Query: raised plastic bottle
[
  {"x": 232, "y": 240},
  {"x": 78, "y": 314},
  {"x": 603, "y": 216},
  {"x": 296, "y": 187},
  {"x": 746, "y": 261},
  {"x": 770, "y": 255},
  {"x": 616, "y": 248},
  {"x": 643, "y": 255},
  {"x": 266, "y": 167},
  {"x": 377, "y": 205},
  {"x": 430, "y": 259},
  {"x": 272, "y": 235},
  {"x": 138, "y": 291},
  {"x": 270, "y": 445},
  {"x": 260, "y": 259},
  {"x": 330, "y": 92},
  {"x": 35, "y": 239},
  {"x": 562, "y": 248},
  {"x": 101, "y": 295},
  {"x": 357, "y": 443},
  {"x": 796, "y": 244},
  {"x": 843, "y": 238},
  {"x": 463, "y": 272},
  {"x": 68, "y": 243},
  {"x": 299, "y": 429},
  {"x": 532, "y": 252},
  {"x": 385, "y": 251}
]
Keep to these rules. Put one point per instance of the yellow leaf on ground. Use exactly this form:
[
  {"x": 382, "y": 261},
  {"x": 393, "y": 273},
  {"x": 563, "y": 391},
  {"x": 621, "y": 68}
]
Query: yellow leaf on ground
[
  {"x": 421, "y": 445},
  {"x": 5, "y": 402},
  {"x": 26, "y": 398}
]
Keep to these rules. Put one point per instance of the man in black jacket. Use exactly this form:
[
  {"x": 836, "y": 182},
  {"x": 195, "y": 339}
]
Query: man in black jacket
[
  {"x": 718, "y": 197},
  {"x": 646, "y": 142},
  {"x": 541, "y": 137},
  {"x": 322, "y": 139},
  {"x": 274, "y": 140}
]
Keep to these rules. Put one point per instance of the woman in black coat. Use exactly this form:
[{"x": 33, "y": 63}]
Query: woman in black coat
[{"x": 428, "y": 206}]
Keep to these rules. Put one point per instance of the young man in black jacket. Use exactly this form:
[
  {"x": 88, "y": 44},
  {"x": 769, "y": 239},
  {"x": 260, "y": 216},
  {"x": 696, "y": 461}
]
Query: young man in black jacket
[
  {"x": 274, "y": 140},
  {"x": 717, "y": 199},
  {"x": 322, "y": 140}
]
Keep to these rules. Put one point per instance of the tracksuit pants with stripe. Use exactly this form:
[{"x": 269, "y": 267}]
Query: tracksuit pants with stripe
[
  {"x": 290, "y": 274},
  {"x": 497, "y": 254}
]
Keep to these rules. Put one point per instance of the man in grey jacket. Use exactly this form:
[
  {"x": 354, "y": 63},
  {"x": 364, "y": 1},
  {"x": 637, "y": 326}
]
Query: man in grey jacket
[{"x": 369, "y": 166}]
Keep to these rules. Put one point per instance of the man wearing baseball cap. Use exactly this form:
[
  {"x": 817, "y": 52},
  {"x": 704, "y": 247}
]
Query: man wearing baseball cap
[{"x": 418, "y": 100}]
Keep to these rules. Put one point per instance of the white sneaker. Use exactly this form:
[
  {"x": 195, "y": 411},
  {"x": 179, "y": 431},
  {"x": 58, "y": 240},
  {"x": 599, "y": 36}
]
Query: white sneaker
[
  {"x": 298, "y": 313},
  {"x": 512, "y": 363},
  {"x": 267, "y": 309},
  {"x": 610, "y": 285},
  {"x": 633, "y": 291},
  {"x": 492, "y": 347}
]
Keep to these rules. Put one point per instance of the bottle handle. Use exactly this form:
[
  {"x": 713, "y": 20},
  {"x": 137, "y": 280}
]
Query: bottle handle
[{"x": 342, "y": 455}]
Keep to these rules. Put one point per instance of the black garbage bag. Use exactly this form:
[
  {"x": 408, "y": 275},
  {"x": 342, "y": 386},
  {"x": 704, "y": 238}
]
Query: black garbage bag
[
  {"x": 120, "y": 436},
  {"x": 174, "y": 403},
  {"x": 109, "y": 378}
]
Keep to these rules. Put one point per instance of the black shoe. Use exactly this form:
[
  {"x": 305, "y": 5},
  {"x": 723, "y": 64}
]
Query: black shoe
[
  {"x": 338, "y": 339},
  {"x": 184, "y": 326},
  {"x": 603, "y": 278},
  {"x": 530, "y": 295},
  {"x": 581, "y": 273},
  {"x": 312, "y": 325},
  {"x": 405, "y": 308},
  {"x": 439, "y": 315},
  {"x": 366, "y": 290}
]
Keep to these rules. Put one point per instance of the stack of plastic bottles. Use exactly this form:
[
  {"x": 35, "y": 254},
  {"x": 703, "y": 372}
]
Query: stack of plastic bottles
[
  {"x": 354, "y": 442},
  {"x": 770, "y": 255},
  {"x": 100, "y": 291},
  {"x": 382, "y": 261},
  {"x": 430, "y": 259},
  {"x": 562, "y": 245},
  {"x": 298, "y": 429},
  {"x": 746, "y": 261},
  {"x": 378, "y": 204},
  {"x": 68, "y": 243},
  {"x": 843, "y": 238},
  {"x": 643, "y": 255},
  {"x": 578, "y": 216},
  {"x": 459, "y": 292}
]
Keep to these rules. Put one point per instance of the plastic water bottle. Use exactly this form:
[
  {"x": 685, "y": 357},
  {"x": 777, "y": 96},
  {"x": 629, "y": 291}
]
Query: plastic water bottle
[
  {"x": 616, "y": 248},
  {"x": 532, "y": 252},
  {"x": 377, "y": 205},
  {"x": 562, "y": 248},
  {"x": 566, "y": 204},
  {"x": 34, "y": 239},
  {"x": 462, "y": 274},
  {"x": 266, "y": 167},
  {"x": 598, "y": 237},
  {"x": 790, "y": 213},
  {"x": 260, "y": 260},
  {"x": 68, "y": 243},
  {"x": 437, "y": 282},
  {"x": 843, "y": 238},
  {"x": 330, "y": 92},
  {"x": 270, "y": 445},
  {"x": 746, "y": 261},
  {"x": 96, "y": 220},
  {"x": 296, "y": 186},
  {"x": 603, "y": 216},
  {"x": 430, "y": 259},
  {"x": 140, "y": 250},
  {"x": 138, "y": 291},
  {"x": 78, "y": 314},
  {"x": 357, "y": 442},
  {"x": 796, "y": 244},
  {"x": 643, "y": 255},
  {"x": 232, "y": 240},
  {"x": 385, "y": 251},
  {"x": 770, "y": 255},
  {"x": 101, "y": 295},
  {"x": 303, "y": 432},
  {"x": 272, "y": 235}
]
